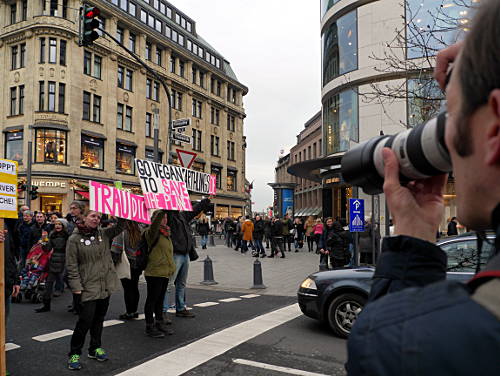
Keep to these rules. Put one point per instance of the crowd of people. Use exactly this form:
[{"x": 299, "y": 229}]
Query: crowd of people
[{"x": 92, "y": 254}]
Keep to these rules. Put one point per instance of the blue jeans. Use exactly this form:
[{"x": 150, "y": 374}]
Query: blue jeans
[
  {"x": 259, "y": 247},
  {"x": 179, "y": 279},
  {"x": 204, "y": 240}
]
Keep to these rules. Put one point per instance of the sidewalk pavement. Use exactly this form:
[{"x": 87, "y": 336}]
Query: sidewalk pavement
[{"x": 234, "y": 271}]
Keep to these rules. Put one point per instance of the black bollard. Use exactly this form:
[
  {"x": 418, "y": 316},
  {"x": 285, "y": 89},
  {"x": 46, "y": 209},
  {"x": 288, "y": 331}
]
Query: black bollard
[
  {"x": 208, "y": 273},
  {"x": 212, "y": 241},
  {"x": 257, "y": 276}
]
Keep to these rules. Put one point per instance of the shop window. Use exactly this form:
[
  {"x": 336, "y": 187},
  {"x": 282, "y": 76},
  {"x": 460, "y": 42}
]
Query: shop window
[
  {"x": 236, "y": 211},
  {"x": 125, "y": 156},
  {"x": 217, "y": 172},
  {"x": 92, "y": 155},
  {"x": 198, "y": 166},
  {"x": 221, "y": 211},
  {"x": 14, "y": 146},
  {"x": 50, "y": 146},
  {"x": 231, "y": 180},
  {"x": 51, "y": 203}
]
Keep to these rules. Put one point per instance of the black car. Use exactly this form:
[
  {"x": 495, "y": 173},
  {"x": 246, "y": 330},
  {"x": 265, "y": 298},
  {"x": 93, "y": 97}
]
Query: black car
[{"x": 336, "y": 297}]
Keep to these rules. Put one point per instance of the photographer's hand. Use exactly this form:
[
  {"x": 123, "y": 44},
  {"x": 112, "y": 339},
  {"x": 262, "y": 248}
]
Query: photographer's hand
[
  {"x": 418, "y": 208},
  {"x": 443, "y": 60}
]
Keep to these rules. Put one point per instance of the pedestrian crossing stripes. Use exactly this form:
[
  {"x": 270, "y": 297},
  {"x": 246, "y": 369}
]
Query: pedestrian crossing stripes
[
  {"x": 229, "y": 300},
  {"x": 206, "y": 304},
  {"x": 54, "y": 335},
  {"x": 249, "y": 296},
  {"x": 11, "y": 346},
  {"x": 111, "y": 323}
]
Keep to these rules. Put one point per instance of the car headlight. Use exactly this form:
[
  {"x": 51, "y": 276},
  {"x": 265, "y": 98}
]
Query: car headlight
[{"x": 309, "y": 284}]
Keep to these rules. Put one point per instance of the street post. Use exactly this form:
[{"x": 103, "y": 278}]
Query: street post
[{"x": 156, "y": 134}]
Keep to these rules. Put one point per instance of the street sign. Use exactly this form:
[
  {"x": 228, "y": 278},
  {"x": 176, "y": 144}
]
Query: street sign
[
  {"x": 8, "y": 189},
  {"x": 356, "y": 215},
  {"x": 181, "y": 137},
  {"x": 180, "y": 130},
  {"x": 181, "y": 123},
  {"x": 186, "y": 158}
]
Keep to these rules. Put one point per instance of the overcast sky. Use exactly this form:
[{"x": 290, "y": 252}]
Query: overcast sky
[{"x": 274, "y": 49}]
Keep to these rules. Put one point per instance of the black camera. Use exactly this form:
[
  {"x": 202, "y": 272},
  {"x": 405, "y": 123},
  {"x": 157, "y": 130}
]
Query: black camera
[{"x": 421, "y": 152}]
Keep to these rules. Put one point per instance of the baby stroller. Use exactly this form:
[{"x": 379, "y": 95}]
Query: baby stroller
[{"x": 34, "y": 275}]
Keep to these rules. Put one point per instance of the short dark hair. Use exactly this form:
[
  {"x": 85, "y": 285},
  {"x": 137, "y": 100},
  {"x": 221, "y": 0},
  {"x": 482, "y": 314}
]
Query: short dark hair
[{"x": 478, "y": 70}]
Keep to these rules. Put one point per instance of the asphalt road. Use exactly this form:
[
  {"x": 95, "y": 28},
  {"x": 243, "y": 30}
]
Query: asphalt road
[{"x": 125, "y": 343}]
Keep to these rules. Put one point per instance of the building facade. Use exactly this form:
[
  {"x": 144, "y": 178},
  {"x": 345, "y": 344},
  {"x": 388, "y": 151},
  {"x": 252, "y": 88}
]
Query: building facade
[
  {"x": 283, "y": 188},
  {"x": 308, "y": 193},
  {"x": 88, "y": 112}
]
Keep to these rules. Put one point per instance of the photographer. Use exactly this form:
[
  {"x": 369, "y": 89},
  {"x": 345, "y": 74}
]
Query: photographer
[{"x": 416, "y": 322}]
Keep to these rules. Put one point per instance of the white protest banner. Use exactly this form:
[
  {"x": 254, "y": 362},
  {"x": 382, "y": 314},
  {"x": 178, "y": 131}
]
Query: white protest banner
[
  {"x": 118, "y": 203},
  {"x": 167, "y": 186}
]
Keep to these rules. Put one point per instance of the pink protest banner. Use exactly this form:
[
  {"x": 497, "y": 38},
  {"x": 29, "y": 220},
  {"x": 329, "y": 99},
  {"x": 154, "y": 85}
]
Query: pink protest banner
[
  {"x": 118, "y": 203},
  {"x": 172, "y": 195}
]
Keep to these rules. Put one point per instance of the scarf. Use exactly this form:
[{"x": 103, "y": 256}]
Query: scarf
[
  {"x": 165, "y": 231},
  {"x": 85, "y": 230}
]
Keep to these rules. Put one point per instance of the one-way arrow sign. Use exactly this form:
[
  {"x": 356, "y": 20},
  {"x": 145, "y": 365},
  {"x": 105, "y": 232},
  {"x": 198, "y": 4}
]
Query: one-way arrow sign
[{"x": 186, "y": 158}]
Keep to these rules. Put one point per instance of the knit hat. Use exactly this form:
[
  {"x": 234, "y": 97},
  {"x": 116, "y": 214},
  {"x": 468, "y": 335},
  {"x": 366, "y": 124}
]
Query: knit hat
[{"x": 63, "y": 222}]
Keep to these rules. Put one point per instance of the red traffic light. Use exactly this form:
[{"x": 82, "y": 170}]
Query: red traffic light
[{"x": 92, "y": 12}]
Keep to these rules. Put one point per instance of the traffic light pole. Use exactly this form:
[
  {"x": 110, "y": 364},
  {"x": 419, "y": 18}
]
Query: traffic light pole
[
  {"x": 160, "y": 79},
  {"x": 27, "y": 199}
]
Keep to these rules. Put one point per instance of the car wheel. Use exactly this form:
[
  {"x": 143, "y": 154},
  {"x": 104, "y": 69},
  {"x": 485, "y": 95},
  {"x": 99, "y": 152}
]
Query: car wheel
[{"x": 343, "y": 312}]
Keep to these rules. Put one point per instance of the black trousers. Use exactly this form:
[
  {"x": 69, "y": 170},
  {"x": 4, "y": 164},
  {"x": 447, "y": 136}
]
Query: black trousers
[
  {"x": 131, "y": 290},
  {"x": 310, "y": 243},
  {"x": 276, "y": 246},
  {"x": 52, "y": 278},
  {"x": 90, "y": 318},
  {"x": 157, "y": 287}
]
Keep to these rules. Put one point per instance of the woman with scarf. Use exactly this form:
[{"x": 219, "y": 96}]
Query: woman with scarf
[
  {"x": 92, "y": 278},
  {"x": 128, "y": 241},
  {"x": 159, "y": 269},
  {"x": 56, "y": 243}
]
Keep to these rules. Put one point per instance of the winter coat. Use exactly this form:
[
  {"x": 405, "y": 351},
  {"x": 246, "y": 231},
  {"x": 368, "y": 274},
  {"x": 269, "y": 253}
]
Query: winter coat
[
  {"x": 90, "y": 267},
  {"x": 277, "y": 229},
  {"x": 267, "y": 228},
  {"x": 202, "y": 228},
  {"x": 23, "y": 235},
  {"x": 161, "y": 258},
  {"x": 57, "y": 243},
  {"x": 365, "y": 240},
  {"x": 10, "y": 268},
  {"x": 318, "y": 228},
  {"x": 336, "y": 240},
  {"x": 309, "y": 228},
  {"x": 36, "y": 232},
  {"x": 287, "y": 226},
  {"x": 181, "y": 236},
  {"x": 71, "y": 223},
  {"x": 299, "y": 230},
  {"x": 258, "y": 229},
  {"x": 452, "y": 228},
  {"x": 247, "y": 230}
]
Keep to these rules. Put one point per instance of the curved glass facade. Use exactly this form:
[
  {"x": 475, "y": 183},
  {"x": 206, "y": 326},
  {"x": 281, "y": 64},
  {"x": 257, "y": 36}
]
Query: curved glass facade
[
  {"x": 340, "y": 121},
  {"x": 425, "y": 100},
  {"x": 432, "y": 25},
  {"x": 327, "y": 4},
  {"x": 340, "y": 47}
]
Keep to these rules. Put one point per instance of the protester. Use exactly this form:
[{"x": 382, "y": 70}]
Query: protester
[
  {"x": 246, "y": 234},
  {"x": 93, "y": 279},
  {"x": 76, "y": 209},
  {"x": 183, "y": 244},
  {"x": 202, "y": 228},
  {"x": 277, "y": 237},
  {"x": 128, "y": 241},
  {"x": 309, "y": 233},
  {"x": 159, "y": 269},
  {"x": 52, "y": 220},
  {"x": 415, "y": 318},
  {"x": 39, "y": 229},
  {"x": 258, "y": 235},
  {"x": 23, "y": 237},
  {"x": 56, "y": 244}
]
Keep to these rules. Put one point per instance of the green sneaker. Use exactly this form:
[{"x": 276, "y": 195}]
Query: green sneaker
[
  {"x": 98, "y": 354},
  {"x": 74, "y": 362}
]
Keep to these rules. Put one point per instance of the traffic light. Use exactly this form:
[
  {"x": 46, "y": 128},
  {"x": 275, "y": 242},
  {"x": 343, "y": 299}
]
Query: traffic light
[
  {"x": 33, "y": 192},
  {"x": 88, "y": 24}
]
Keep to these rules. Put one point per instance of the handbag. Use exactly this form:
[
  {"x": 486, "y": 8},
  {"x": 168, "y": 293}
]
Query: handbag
[
  {"x": 193, "y": 255},
  {"x": 123, "y": 266}
]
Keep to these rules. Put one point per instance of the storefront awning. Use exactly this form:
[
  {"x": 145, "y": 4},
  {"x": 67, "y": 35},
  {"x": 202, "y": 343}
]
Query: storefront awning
[
  {"x": 215, "y": 164},
  {"x": 316, "y": 211},
  {"x": 126, "y": 142},
  {"x": 230, "y": 168},
  {"x": 60, "y": 126},
  {"x": 13, "y": 129},
  {"x": 84, "y": 194},
  {"x": 93, "y": 134}
]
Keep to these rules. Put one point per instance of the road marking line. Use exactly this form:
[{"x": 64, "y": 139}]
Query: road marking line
[
  {"x": 194, "y": 354},
  {"x": 111, "y": 323},
  {"x": 206, "y": 304},
  {"x": 249, "y": 296},
  {"x": 290, "y": 371},
  {"x": 229, "y": 300},
  {"x": 11, "y": 346},
  {"x": 54, "y": 335}
]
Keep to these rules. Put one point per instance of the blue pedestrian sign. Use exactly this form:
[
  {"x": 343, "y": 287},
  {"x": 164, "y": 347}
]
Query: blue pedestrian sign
[{"x": 356, "y": 215}]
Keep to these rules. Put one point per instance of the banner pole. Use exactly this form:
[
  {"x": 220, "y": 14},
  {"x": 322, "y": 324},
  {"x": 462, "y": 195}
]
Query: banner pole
[{"x": 3, "y": 369}]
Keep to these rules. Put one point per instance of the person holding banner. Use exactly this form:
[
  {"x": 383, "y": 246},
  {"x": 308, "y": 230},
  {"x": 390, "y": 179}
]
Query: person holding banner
[
  {"x": 92, "y": 278},
  {"x": 159, "y": 269}
]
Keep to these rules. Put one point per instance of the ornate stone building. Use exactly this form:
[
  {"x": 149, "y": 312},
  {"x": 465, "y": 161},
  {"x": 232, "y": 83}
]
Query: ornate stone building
[{"x": 88, "y": 112}]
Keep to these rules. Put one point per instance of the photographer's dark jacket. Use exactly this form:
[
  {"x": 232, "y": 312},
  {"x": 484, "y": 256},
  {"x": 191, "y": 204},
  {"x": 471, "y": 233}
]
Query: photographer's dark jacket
[
  {"x": 417, "y": 323},
  {"x": 181, "y": 236}
]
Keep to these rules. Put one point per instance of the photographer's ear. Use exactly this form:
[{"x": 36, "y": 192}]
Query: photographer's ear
[{"x": 493, "y": 135}]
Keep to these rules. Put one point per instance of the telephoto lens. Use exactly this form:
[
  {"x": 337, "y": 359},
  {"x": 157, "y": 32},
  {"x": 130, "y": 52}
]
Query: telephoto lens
[{"x": 421, "y": 152}]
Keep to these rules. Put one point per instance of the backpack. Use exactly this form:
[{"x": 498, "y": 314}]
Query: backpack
[{"x": 143, "y": 251}]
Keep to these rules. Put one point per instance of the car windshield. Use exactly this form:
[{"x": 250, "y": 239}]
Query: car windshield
[{"x": 463, "y": 254}]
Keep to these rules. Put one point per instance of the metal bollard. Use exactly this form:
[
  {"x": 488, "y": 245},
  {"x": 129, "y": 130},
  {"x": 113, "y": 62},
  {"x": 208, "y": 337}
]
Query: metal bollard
[
  {"x": 208, "y": 273},
  {"x": 257, "y": 276},
  {"x": 212, "y": 241}
]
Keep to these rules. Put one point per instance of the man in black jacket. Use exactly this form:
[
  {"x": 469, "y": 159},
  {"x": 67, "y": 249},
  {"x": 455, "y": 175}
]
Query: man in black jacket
[
  {"x": 182, "y": 240},
  {"x": 416, "y": 322}
]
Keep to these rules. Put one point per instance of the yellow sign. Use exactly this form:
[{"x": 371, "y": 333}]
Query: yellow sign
[{"x": 8, "y": 189}]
